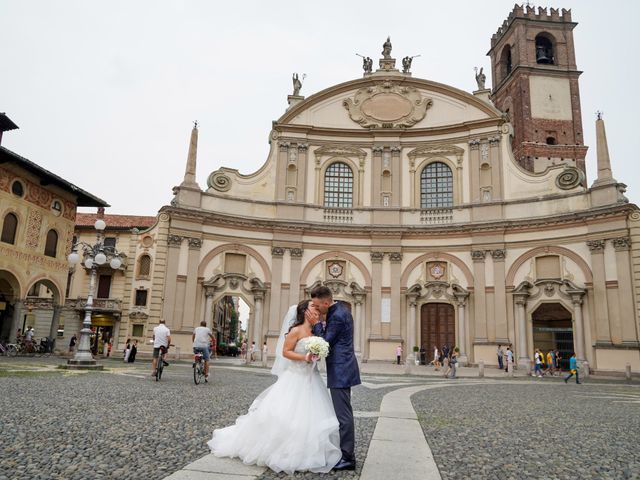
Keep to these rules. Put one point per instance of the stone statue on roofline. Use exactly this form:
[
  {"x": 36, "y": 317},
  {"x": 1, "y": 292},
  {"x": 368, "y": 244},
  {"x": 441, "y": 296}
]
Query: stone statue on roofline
[
  {"x": 386, "y": 48},
  {"x": 481, "y": 78},
  {"x": 297, "y": 84}
]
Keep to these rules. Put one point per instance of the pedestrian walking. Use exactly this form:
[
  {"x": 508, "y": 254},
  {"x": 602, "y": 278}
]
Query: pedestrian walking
[
  {"x": 446, "y": 366},
  {"x": 509, "y": 361},
  {"x": 500, "y": 357},
  {"x": 243, "y": 350},
  {"x": 127, "y": 350},
  {"x": 265, "y": 351},
  {"x": 453, "y": 363},
  {"x": 573, "y": 369},
  {"x": 398, "y": 354},
  {"x": 253, "y": 352},
  {"x": 436, "y": 358},
  {"x": 133, "y": 352},
  {"x": 72, "y": 344},
  {"x": 550, "y": 363},
  {"x": 537, "y": 358}
]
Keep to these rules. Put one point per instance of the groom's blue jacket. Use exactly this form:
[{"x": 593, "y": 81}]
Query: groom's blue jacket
[{"x": 342, "y": 366}]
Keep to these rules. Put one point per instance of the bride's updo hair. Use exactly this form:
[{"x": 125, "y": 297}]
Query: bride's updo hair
[{"x": 300, "y": 311}]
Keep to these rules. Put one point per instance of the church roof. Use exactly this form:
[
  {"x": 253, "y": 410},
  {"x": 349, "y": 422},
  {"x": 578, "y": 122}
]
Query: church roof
[{"x": 116, "y": 221}]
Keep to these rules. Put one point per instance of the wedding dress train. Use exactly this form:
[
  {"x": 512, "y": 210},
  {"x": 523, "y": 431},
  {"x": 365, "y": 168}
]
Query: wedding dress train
[{"x": 291, "y": 426}]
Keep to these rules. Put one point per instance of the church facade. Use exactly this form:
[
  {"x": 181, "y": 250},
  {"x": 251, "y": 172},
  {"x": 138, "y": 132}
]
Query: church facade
[{"x": 442, "y": 217}]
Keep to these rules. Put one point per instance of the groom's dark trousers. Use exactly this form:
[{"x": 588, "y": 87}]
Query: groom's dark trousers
[{"x": 341, "y": 398}]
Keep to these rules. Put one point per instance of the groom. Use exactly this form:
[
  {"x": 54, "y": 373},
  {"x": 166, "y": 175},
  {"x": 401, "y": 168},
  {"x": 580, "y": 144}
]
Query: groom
[{"x": 342, "y": 367}]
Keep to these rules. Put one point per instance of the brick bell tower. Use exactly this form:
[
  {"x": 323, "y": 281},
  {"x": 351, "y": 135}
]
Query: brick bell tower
[{"x": 535, "y": 82}]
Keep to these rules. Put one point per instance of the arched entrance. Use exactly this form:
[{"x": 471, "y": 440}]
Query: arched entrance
[
  {"x": 9, "y": 294},
  {"x": 43, "y": 306},
  {"x": 553, "y": 330},
  {"x": 437, "y": 326}
]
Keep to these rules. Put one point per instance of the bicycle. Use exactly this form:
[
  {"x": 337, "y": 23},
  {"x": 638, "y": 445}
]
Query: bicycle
[
  {"x": 8, "y": 349},
  {"x": 160, "y": 365},
  {"x": 198, "y": 368}
]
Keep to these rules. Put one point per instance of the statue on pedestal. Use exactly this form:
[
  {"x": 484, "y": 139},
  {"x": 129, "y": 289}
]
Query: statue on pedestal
[
  {"x": 367, "y": 64},
  {"x": 297, "y": 85},
  {"x": 386, "y": 48},
  {"x": 480, "y": 78},
  {"x": 406, "y": 64}
]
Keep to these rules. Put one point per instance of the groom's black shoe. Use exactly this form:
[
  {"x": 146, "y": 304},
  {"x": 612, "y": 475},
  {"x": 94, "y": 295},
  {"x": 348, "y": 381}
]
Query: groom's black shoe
[{"x": 345, "y": 465}]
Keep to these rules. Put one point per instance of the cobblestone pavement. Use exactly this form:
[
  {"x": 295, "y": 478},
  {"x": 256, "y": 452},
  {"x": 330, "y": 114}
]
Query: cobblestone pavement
[
  {"x": 542, "y": 429},
  {"x": 122, "y": 424}
]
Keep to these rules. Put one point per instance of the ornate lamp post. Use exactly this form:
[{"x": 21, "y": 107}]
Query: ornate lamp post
[{"x": 94, "y": 256}]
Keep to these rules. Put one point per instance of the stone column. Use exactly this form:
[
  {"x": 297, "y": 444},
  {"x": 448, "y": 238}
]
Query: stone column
[
  {"x": 396, "y": 263},
  {"x": 412, "y": 300},
  {"x": 258, "y": 298},
  {"x": 396, "y": 176},
  {"x": 500, "y": 297},
  {"x": 276, "y": 290},
  {"x": 480, "y": 319},
  {"x": 496, "y": 169},
  {"x": 173, "y": 259},
  {"x": 55, "y": 321},
  {"x": 296, "y": 262},
  {"x": 16, "y": 320},
  {"x": 376, "y": 176},
  {"x": 302, "y": 173},
  {"x": 625, "y": 289},
  {"x": 603, "y": 332},
  {"x": 576, "y": 298},
  {"x": 520, "y": 299},
  {"x": 474, "y": 169},
  {"x": 281, "y": 170},
  {"x": 462, "y": 331},
  {"x": 208, "y": 305},
  {"x": 193, "y": 259},
  {"x": 376, "y": 293},
  {"x": 358, "y": 333}
]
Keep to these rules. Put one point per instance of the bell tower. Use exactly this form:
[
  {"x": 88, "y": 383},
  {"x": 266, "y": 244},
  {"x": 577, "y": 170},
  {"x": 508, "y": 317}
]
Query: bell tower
[{"x": 535, "y": 83}]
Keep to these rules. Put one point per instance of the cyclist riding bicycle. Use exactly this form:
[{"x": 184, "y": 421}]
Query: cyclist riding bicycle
[
  {"x": 201, "y": 338},
  {"x": 161, "y": 339}
]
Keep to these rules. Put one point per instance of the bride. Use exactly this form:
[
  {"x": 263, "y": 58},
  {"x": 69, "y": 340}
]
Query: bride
[{"x": 292, "y": 425}]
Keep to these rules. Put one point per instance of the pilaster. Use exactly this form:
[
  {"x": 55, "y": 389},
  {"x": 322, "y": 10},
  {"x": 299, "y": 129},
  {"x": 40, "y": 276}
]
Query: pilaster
[
  {"x": 603, "y": 332},
  {"x": 188, "y": 320},
  {"x": 173, "y": 258},
  {"x": 396, "y": 271},
  {"x": 500, "y": 296},
  {"x": 479, "y": 301},
  {"x": 474, "y": 169},
  {"x": 277, "y": 254},
  {"x": 296, "y": 263},
  {"x": 376, "y": 294},
  {"x": 622, "y": 246}
]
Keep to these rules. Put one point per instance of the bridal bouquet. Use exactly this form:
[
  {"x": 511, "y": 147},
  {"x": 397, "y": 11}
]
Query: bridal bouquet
[{"x": 318, "y": 347}]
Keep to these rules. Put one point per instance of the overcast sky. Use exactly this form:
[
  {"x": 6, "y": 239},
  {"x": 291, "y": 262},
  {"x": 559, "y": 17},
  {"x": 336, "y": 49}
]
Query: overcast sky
[{"x": 105, "y": 92}]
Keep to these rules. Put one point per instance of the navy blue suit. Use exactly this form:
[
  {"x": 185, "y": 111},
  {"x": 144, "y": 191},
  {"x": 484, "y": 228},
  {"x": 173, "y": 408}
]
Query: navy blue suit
[{"x": 342, "y": 371}]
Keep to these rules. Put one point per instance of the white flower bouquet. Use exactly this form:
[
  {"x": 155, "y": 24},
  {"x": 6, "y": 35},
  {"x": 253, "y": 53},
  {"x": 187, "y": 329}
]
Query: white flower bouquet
[{"x": 318, "y": 347}]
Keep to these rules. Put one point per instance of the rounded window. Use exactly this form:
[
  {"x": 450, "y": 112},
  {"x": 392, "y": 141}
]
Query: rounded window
[
  {"x": 56, "y": 207},
  {"x": 17, "y": 188}
]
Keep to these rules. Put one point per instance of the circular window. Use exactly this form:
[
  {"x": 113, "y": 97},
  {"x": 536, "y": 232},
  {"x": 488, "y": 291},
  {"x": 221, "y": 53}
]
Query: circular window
[
  {"x": 56, "y": 207},
  {"x": 17, "y": 188},
  {"x": 147, "y": 241}
]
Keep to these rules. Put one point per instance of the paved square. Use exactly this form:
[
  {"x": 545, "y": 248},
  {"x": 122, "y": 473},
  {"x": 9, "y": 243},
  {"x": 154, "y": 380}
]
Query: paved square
[{"x": 122, "y": 424}]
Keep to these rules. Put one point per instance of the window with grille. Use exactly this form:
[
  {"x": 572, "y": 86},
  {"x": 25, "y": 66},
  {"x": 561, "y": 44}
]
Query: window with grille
[
  {"x": 144, "y": 266},
  {"x": 436, "y": 186},
  {"x": 9, "y": 228},
  {"x": 338, "y": 186},
  {"x": 51, "y": 244},
  {"x": 110, "y": 241},
  {"x": 137, "y": 330},
  {"x": 141, "y": 298}
]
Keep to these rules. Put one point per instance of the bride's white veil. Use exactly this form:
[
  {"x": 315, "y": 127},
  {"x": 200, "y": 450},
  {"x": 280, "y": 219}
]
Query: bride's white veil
[{"x": 280, "y": 364}]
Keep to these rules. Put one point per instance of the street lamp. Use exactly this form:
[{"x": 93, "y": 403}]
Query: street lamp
[{"x": 94, "y": 256}]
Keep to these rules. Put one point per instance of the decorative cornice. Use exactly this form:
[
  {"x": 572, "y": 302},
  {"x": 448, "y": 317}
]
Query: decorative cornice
[
  {"x": 596, "y": 246},
  {"x": 435, "y": 151},
  {"x": 478, "y": 255},
  {"x": 277, "y": 251},
  {"x": 377, "y": 257},
  {"x": 498, "y": 255},
  {"x": 621, "y": 243}
]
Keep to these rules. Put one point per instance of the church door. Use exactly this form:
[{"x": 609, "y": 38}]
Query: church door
[{"x": 438, "y": 327}]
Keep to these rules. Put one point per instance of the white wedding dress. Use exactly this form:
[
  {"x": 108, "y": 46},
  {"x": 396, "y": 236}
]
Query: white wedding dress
[{"x": 291, "y": 426}]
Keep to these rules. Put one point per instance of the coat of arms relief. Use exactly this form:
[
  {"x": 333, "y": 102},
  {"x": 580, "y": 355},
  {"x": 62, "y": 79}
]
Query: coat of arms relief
[{"x": 387, "y": 105}]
